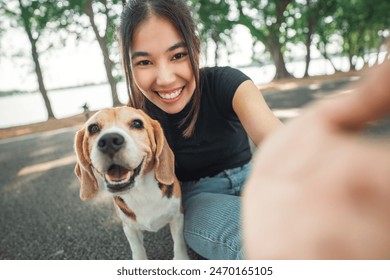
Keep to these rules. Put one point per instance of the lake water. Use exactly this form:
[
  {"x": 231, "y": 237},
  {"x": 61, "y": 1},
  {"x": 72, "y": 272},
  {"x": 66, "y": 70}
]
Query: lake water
[{"x": 30, "y": 108}]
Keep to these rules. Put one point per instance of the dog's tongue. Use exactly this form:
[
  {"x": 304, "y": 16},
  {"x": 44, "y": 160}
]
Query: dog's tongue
[{"x": 117, "y": 173}]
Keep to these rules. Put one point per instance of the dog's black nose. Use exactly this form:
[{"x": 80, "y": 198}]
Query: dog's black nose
[{"x": 110, "y": 143}]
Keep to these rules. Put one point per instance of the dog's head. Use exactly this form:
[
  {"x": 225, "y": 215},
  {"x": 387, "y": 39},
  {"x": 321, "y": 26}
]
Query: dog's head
[{"x": 121, "y": 144}]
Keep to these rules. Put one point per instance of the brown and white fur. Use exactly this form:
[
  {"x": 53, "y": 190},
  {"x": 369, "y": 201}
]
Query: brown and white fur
[{"x": 129, "y": 151}]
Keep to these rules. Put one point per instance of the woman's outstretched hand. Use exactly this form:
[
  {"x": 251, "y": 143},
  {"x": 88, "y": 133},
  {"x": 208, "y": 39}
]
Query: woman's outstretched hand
[{"x": 318, "y": 189}]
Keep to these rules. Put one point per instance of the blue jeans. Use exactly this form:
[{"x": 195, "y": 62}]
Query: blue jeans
[{"x": 212, "y": 214}]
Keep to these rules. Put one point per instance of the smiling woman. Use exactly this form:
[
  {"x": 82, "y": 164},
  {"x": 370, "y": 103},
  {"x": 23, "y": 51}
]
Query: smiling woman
[{"x": 206, "y": 113}]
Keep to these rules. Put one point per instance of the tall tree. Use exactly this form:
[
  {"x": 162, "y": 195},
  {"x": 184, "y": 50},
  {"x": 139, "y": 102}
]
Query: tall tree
[
  {"x": 107, "y": 13},
  {"x": 37, "y": 17},
  {"x": 359, "y": 23},
  {"x": 309, "y": 19},
  {"x": 325, "y": 31},
  {"x": 266, "y": 20}
]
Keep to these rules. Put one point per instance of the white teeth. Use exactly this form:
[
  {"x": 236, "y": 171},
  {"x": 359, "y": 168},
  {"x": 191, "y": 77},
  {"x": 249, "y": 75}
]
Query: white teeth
[
  {"x": 128, "y": 176},
  {"x": 171, "y": 95}
]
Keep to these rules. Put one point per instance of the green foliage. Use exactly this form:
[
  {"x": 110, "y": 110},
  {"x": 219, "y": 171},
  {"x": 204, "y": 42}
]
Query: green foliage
[
  {"x": 38, "y": 16},
  {"x": 215, "y": 21},
  {"x": 213, "y": 17},
  {"x": 277, "y": 24},
  {"x": 359, "y": 23},
  {"x": 106, "y": 16}
]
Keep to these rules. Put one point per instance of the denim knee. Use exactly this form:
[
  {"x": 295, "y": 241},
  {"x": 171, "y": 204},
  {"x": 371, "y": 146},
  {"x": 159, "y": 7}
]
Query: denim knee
[
  {"x": 212, "y": 214},
  {"x": 212, "y": 227}
]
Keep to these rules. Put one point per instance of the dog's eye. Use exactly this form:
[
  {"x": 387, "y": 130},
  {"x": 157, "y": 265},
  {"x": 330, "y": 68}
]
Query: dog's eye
[
  {"x": 137, "y": 124},
  {"x": 93, "y": 129}
]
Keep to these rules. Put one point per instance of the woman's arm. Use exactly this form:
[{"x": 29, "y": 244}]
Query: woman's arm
[
  {"x": 253, "y": 112},
  {"x": 323, "y": 194}
]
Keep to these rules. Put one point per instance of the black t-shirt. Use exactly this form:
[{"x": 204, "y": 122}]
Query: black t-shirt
[{"x": 219, "y": 140}]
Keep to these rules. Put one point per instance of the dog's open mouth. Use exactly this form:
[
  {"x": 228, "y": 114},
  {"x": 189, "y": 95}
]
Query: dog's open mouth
[{"x": 119, "y": 178}]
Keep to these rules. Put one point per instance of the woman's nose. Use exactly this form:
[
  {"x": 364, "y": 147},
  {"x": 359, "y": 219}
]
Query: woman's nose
[{"x": 165, "y": 75}]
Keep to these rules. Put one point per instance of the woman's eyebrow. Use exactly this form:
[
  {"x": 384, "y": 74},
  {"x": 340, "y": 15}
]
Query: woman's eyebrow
[
  {"x": 170, "y": 49},
  {"x": 176, "y": 46},
  {"x": 137, "y": 54}
]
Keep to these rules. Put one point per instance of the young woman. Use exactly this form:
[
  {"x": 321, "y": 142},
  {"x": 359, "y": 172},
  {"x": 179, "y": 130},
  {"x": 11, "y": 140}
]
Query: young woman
[{"x": 207, "y": 115}]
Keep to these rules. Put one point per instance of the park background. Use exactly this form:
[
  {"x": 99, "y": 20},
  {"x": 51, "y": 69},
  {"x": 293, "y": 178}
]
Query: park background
[{"x": 56, "y": 56}]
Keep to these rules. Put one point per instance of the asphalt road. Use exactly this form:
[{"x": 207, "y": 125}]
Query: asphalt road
[{"x": 42, "y": 217}]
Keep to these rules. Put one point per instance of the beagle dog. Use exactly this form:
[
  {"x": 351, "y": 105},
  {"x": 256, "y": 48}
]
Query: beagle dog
[{"x": 129, "y": 151}]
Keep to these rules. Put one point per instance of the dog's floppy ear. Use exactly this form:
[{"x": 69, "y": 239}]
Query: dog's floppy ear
[
  {"x": 83, "y": 169},
  {"x": 164, "y": 158}
]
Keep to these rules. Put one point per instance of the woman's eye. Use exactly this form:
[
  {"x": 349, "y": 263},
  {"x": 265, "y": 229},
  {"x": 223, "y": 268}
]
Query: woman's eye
[
  {"x": 137, "y": 124},
  {"x": 93, "y": 129},
  {"x": 143, "y": 62},
  {"x": 179, "y": 55}
]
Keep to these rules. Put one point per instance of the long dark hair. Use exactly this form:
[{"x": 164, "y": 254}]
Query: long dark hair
[{"x": 178, "y": 13}]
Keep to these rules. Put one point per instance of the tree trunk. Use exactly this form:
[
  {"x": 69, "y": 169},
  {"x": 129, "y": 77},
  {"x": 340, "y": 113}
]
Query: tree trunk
[
  {"x": 388, "y": 48},
  {"x": 310, "y": 26},
  {"x": 378, "y": 50},
  {"x": 308, "y": 53},
  {"x": 350, "y": 54},
  {"x": 274, "y": 44},
  {"x": 38, "y": 71},
  {"x": 274, "y": 48},
  {"x": 111, "y": 80},
  {"x": 351, "y": 66},
  {"x": 214, "y": 37},
  {"x": 325, "y": 55},
  {"x": 41, "y": 84},
  {"x": 271, "y": 41},
  {"x": 108, "y": 65},
  {"x": 216, "y": 54}
]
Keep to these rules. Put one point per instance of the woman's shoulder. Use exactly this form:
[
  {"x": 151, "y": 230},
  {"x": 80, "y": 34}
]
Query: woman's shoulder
[
  {"x": 219, "y": 87},
  {"x": 219, "y": 70},
  {"x": 223, "y": 73},
  {"x": 223, "y": 76}
]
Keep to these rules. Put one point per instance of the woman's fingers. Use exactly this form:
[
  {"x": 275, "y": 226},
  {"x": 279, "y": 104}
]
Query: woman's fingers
[{"x": 369, "y": 102}]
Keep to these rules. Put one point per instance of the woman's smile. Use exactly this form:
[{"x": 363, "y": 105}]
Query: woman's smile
[{"x": 170, "y": 95}]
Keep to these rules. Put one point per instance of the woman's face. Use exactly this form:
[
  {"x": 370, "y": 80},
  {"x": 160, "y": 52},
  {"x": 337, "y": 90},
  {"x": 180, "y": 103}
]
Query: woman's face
[{"x": 161, "y": 66}]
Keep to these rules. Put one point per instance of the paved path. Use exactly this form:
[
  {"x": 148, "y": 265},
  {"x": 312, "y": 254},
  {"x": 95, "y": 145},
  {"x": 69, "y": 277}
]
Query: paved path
[{"x": 42, "y": 217}]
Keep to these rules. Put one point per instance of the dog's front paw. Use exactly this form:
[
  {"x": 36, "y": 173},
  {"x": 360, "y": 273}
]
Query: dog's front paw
[{"x": 139, "y": 256}]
